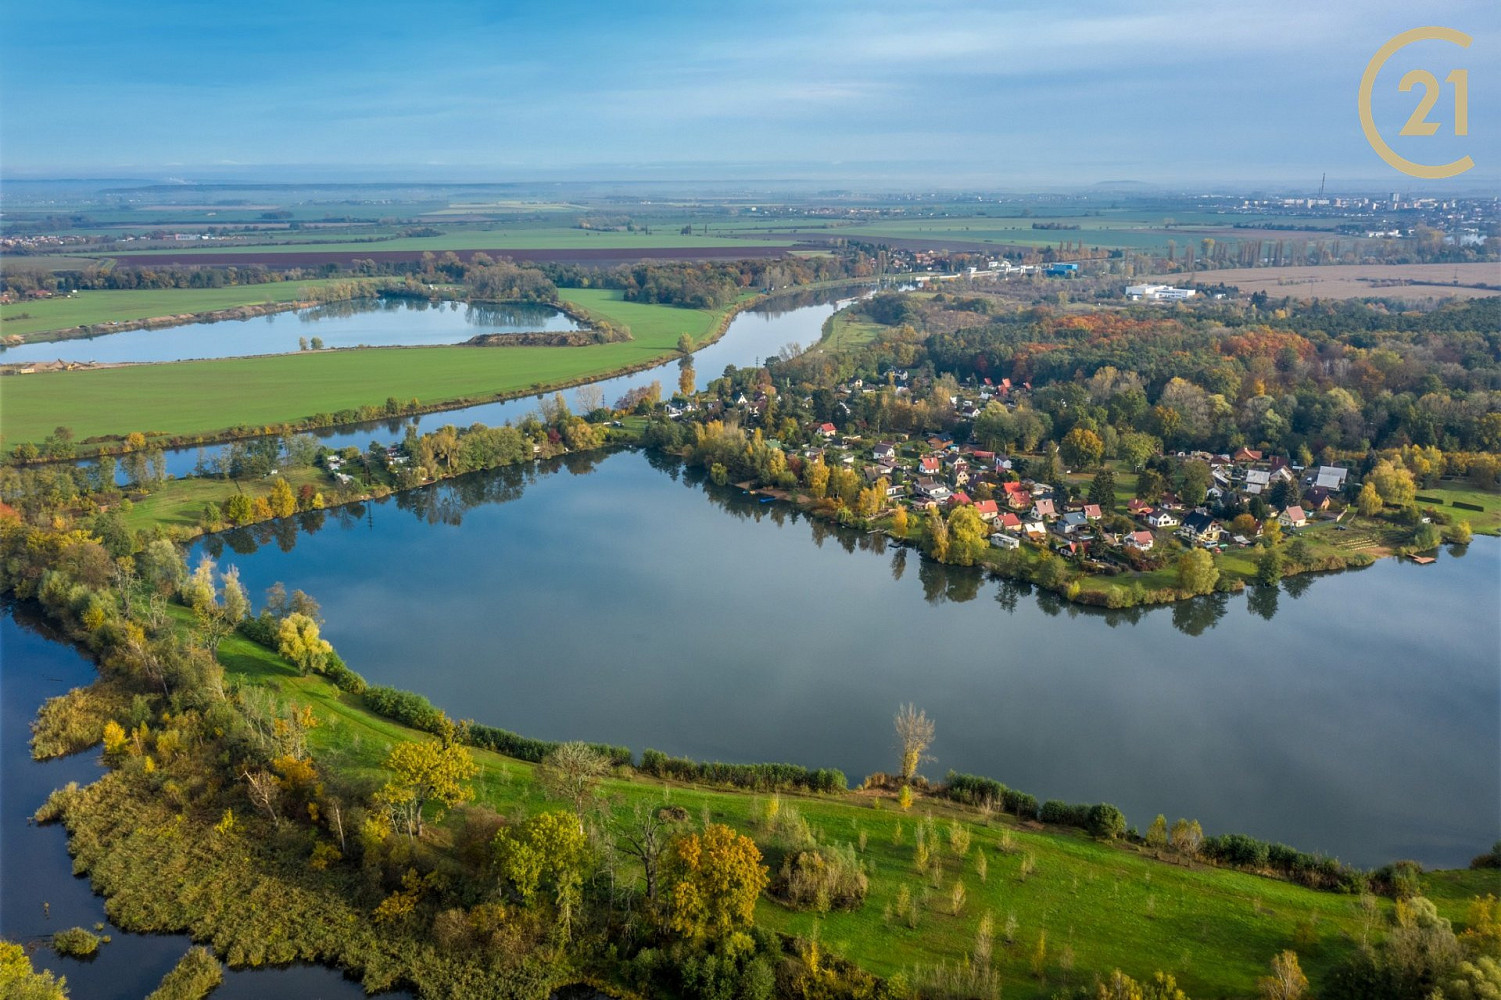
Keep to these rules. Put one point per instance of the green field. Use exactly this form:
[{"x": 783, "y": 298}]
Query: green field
[
  {"x": 848, "y": 330},
  {"x": 1111, "y": 906},
  {"x": 198, "y": 397},
  {"x": 86, "y": 308}
]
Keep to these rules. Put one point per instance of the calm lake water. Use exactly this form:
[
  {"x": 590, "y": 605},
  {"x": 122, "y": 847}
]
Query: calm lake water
[
  {"x": 361, "y": 322},
  {"x": 608, "y": 599},
  {"x": 752, "y": 336}
]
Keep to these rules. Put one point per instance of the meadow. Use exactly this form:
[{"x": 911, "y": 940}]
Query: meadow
[
  {"x": 200, "y": 397},
  {"x": 86, "y": 308}
]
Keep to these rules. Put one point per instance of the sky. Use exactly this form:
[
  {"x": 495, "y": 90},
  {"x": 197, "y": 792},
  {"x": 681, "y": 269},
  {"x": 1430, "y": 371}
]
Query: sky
[{"x": 995, "y": 95}]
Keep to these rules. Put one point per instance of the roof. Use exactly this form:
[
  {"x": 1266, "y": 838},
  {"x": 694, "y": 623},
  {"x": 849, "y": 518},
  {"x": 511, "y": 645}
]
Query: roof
[
  {"x": 986, "y": 507},
  {"x": 1295, "y": 513},
  {"x": 1092, "y": 510},
  {"x": 1198, "y": 521}
]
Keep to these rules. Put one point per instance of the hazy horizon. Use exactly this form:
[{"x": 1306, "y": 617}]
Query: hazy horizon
[{"x": 966, "y": 96}]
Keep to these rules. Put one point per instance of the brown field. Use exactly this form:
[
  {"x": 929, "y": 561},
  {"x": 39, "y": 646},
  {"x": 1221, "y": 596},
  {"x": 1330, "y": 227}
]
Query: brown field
[
  {"x": 1412, "y": 282},
  {"x": 600, "y": 256}
]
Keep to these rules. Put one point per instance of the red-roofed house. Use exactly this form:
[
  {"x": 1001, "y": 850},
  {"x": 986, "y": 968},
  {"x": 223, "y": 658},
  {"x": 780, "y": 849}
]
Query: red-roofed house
[
  {"x": 1293, "y": 517},
  {"x": 1142, "y": 541},
  {"x": 1138, "y": 507},
  {"x": 987, "y": 509},
  {"x": 930, "y": 465},
  {"x": 1044, "y": 508},
  {"x": 960, "y": 499},
  {"x": 1092, "y": 512},
  {"x": 1010, "y": 522},
  {"x": 827, "y": 430}
]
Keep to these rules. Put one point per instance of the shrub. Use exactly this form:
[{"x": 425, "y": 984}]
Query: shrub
[
  {"x": 1065, "y": 814},
  {"x": 822, "y": 879},
  {"x": 756, "y": 777},
  {"x": 194, "y": 977},
  {"x": 1106, "y": 821},
  {"x": 1399, "y": 880},
  {"x": 1488, "y": 860},
  {"x": 76, "y": 942}
]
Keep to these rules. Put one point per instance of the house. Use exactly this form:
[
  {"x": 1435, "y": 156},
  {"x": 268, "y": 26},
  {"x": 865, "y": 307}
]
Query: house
[
  {"x": 1316, "y": 498},
  {"x": 1018, "y": 497},
  {"x": 1043, "y": 509},
  {"x": 1035, "y": 529},
  {"x": 932, "y": 489},
  {"x": 988, "y": 510},
  {"x": 930, "y": 465},
  {"x": 1010, "y": 522},
  {"x": 1141, "y": 541},
  {"x": 1330, "y": 478},
  {"x": 827, "y": 430},
  {"x": 960, "y": 499},
  {"x": 1092, "y": 512},
  {"x": 1257, "y": 480},
  {"x": 1071, "y": 522},
  {"x": 1001, "y": 540},
  {"x": 1162, "y": 519},
  {"x": 884, "y": 452},
  {"x": 1199, "y": 528},
  {"x": 1138, "y": 508},
  {"x": 1293, "y": 517},
  {"x": 1247, "y": 455}
]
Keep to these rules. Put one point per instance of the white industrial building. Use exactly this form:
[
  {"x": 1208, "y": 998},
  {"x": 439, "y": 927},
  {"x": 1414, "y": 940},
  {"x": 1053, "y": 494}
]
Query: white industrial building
[{"x": 1159, "y": 293}]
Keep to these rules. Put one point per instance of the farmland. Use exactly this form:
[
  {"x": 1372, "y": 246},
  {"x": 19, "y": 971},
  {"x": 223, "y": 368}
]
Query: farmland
[{"x": 1353, "y": 281}]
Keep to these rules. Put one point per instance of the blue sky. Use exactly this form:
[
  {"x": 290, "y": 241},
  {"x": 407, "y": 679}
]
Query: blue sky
[{"x": 947, "y": 94}]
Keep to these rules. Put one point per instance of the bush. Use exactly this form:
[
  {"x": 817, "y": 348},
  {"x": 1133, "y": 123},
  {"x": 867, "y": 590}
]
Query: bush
[
  {"x": 1468, "y": 506},
  {"x": 194, "y": 977},
  {"x": 342, "y": 677},
  {"x": 822, "y": 879},
  {"x": 1106, "y": 821},
  {"x": 75, "y": 942},
  {"x": 756, "y": 777},
  {"x": 1237, "y": 849},
  {"x": 972, "y": 789},
  {"x": 1399, "y": 880},
  {"x": 1065, "y": 814},
  {"x": 1490, "y": 860}
]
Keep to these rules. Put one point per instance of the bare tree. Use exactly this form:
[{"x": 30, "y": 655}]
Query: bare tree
[
  {"x": 914, "y": 733},
  {"x": 573, "y": 772},
  {"x": 645, "y": 837},
  {"x": 265, "y": 792}
]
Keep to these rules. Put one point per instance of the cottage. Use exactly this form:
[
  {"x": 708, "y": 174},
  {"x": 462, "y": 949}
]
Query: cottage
[
  {"x": 884, "y": 452},
  {"x": 930, "y": 465},
  {"x": 827, "y": 430},
  {"x": 1044, "y": 509},
  {"x": 1001, "y": 540},
  {"x": 988, "y": 510},
  {"x": 1070, "y": 523},
  {"x": 1141, "y": 541},
  {"x": 1293, "y": 517},
  {"x": 1316, "y": 498},
  {"x": 960, "y": 499},
  {"x": 1092, "y": 512},
  {"x": 1034, "y": 529},
  {"x": 1162, "y": 519},
  {"x": 1139, "y": 508},
  {"x": 1010, "y": 522},
  {"x": 1247, "y": 455}
]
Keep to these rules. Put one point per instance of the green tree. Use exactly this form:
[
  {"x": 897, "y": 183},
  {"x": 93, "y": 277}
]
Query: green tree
[
  {"x": 1194, "y": 479},
  {"x": 1102, "y": 490},
  {"x": 1426, "y": 537},
  {"x": 545, "y": 851},
  {"x": 968, "y": 537},
  {"x": 1157, "y": 833},
  {"x": 239, "y": 509},
  {"x": 1393, "y": 483},
  {"x": 1269, "y": 568},
  {"x": 685, "y": 344},
  {"x": 18, "y": 981},
  {"x": 1197, "y": 573},
  {"x": 935, "y": 535},
  {"x": 712, "y": 881}
]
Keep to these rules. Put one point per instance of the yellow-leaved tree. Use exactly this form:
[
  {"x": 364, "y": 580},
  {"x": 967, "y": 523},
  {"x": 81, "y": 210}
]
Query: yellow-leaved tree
[{"x": 712, "y": 881}]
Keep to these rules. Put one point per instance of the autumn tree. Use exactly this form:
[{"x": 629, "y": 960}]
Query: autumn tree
[
  {"x": 968, "y": 537},
  {"x": 935, "y": 535},
  {"x": 1081, "y": 448},
  {"x": 914, "y": 734},
  {"x": 297, "y": 639},
  {"x": 283, "y": 501},
  {"x": 1286, "y": 982},
  {"x": 711, "y": 882},
  {"x": 1369, "y": 501},
  {"x": 1393, "y": 483},
  {"x": 1197, "y": 573},
  {"x": 428, "y": 770},
  {"x": 547, "y": 852}
]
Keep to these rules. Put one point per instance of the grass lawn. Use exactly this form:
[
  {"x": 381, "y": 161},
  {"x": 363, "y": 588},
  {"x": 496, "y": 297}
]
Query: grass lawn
[
  {"x": 89, "y": 307},
  {"x": 199, "y": 397},
  {"x": 1486, "y": 522},
  {"x": 179, "y": 502},
  {"x": 848, "y": 331},
  {"x": 1110, "y": 906}
]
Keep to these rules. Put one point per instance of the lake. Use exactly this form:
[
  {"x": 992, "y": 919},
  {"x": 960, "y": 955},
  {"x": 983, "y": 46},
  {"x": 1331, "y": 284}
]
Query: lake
[
  {"x": 356, "y": 323},
  {"x": 608, "y": 599}
]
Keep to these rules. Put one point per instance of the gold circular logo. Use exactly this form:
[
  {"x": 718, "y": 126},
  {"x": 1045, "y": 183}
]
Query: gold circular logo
[{"x": 1417, "y": 124}]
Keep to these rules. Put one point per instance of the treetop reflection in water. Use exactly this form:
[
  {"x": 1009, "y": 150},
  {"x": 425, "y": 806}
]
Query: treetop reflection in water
[{"x": 613, "y": 605}]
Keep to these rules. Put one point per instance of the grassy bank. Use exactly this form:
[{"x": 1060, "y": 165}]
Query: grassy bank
[
  {"x": 33, "y": 319},
  {"x": 203, "y": 397},
  {"x": 1100, "y": 905}
]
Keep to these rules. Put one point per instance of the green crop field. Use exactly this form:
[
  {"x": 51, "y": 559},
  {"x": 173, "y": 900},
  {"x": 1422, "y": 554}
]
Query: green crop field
[
  {"x": 194, "y": 397},
  {"x": 88, "y": 307},
  {"x": 1103, "y": 906}
]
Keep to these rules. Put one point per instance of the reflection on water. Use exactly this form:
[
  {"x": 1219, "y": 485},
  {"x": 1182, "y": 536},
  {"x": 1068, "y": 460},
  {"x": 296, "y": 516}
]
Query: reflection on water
[
  {"x": 385, "y": 322},
  {"x": 614, "y": 603}
]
